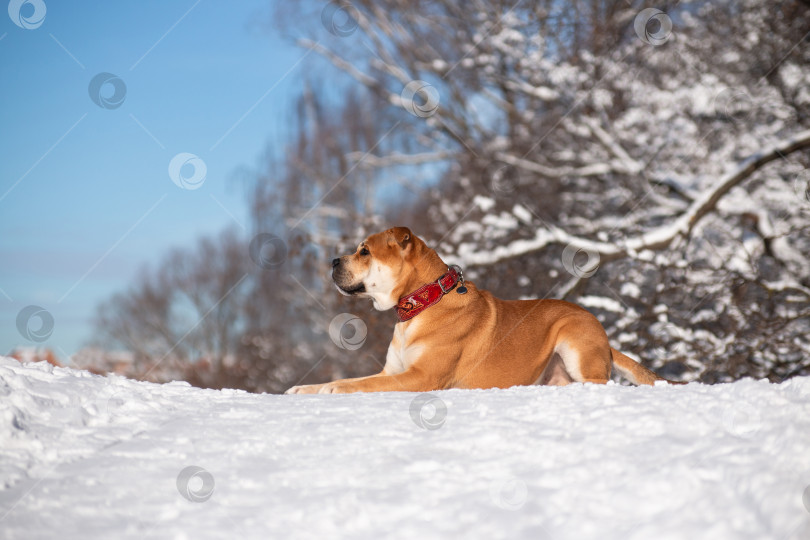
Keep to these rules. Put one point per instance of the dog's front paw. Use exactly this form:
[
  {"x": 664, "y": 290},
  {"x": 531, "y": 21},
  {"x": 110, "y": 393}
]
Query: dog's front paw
[
  {"x": 304, "y": 389},
  {"x": 335, "y": 388}
]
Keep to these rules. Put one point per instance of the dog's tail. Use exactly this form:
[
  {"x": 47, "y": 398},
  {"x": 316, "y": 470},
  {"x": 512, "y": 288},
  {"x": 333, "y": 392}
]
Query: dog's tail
[{"x": 635, "y": 372}]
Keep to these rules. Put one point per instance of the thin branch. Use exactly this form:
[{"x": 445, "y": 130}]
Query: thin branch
[
  {"x": 397, "y": 158},
  {"x": 630, "y": 165},
  {"x": 595, "y": 169}
]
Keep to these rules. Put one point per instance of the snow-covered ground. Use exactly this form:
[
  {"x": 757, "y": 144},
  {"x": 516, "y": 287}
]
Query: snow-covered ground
[{"x": 84, "y": 456}]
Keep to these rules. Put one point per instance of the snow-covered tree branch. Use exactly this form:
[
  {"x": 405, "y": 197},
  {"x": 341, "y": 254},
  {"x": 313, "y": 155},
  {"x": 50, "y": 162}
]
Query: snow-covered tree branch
[{"x": 661, "y": 237}]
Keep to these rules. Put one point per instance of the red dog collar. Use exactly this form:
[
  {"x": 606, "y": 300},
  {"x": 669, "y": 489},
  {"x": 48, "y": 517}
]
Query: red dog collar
[{"x": 411, "y": 305}]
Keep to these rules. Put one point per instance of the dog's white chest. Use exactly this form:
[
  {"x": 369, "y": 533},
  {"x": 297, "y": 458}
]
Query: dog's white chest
[{"x": 402, "y": 352}]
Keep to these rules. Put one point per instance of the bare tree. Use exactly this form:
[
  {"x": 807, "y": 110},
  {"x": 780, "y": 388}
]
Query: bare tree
[{"x": 183, "y": 319}]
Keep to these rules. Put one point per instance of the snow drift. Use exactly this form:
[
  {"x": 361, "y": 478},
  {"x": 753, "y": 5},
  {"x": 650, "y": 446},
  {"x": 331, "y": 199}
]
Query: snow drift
[{"x": 85, "y": 456}]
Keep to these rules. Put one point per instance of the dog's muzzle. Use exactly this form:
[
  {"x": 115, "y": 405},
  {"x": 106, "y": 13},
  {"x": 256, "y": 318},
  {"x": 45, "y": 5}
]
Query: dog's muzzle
[{"x": 343, "y": 280}]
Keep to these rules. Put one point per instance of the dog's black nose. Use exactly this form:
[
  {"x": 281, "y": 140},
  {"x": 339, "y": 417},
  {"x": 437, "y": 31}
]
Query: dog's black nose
[{"x": 335, "y": 262}]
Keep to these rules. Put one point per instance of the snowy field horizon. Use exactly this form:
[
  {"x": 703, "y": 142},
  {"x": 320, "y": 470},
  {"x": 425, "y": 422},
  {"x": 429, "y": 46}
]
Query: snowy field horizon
[{"x": 89, "y": 456}]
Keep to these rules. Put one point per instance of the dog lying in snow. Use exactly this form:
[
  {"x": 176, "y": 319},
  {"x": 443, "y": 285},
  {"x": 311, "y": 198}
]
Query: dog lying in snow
[{"x": 453, "y": 335}]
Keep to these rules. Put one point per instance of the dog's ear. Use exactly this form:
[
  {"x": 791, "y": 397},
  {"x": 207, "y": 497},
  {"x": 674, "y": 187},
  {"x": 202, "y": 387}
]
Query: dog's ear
[{"x": 402, "y": 236}]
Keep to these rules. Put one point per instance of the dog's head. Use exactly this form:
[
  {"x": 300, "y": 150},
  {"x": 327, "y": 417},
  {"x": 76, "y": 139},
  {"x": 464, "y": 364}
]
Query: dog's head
[{"x": 381, "y": 268}]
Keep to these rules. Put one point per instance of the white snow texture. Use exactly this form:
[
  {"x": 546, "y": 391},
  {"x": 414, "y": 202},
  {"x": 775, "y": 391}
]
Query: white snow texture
[{"x": 85, "y": 456}]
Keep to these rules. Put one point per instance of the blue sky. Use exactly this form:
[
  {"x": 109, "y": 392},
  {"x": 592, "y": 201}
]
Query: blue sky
[{"x": 85, "y": 195}]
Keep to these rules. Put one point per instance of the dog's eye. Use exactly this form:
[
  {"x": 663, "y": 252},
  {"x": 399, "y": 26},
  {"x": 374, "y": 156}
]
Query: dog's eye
[{"x": 364, "y": 251}]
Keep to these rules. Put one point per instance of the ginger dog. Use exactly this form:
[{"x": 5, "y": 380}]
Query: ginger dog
[{"x": 453, "y": 335}]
